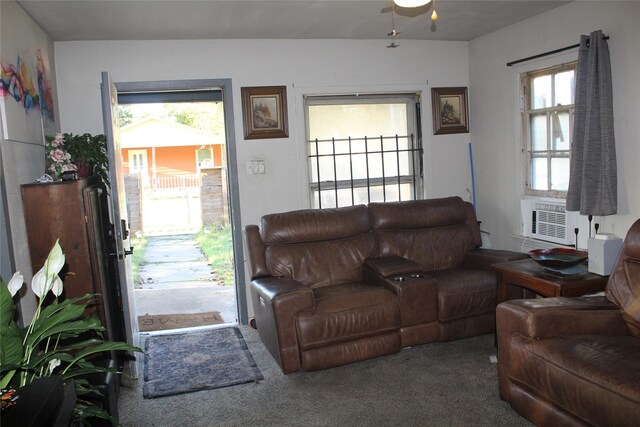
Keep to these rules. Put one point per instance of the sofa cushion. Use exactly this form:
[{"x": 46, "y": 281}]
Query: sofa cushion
[
  {"x": 322, "y": 263},
  {"x": 314, "y": 225},
  {"x": 463, "y": 293},
  {"x": 318, "y": 247},
  {"x": 347, "y": 312},
  {"x": 434, "y": 233},
  {"x": 595, "y": 378},
  {"x": 418, "y": 213},
  {"x": 623, "y": 287}
]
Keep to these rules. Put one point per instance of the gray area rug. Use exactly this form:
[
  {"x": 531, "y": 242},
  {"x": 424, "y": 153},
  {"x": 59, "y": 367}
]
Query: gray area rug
[{"x": 191, "y": 361}]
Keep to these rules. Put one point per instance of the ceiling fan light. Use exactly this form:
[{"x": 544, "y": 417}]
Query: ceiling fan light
[{"x": 411, "y": 3}]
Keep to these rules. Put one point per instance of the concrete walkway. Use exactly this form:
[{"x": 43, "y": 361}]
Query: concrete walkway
[{"x": 175, "y": 278}]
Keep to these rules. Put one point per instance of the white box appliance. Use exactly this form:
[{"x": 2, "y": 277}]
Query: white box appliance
[
  {"x": 603, "y": 253},
  {"x": 549, "y": 221}
]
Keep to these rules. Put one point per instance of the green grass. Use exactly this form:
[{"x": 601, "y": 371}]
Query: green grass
[
  {"x": 139, "y": 245},
  {"x": 217, "y": 245}
]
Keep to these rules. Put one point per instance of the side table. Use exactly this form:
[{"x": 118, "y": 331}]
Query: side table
[{"x": 546, "y": 282}]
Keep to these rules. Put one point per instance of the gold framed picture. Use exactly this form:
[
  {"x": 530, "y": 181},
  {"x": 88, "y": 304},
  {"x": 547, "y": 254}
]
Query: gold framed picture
[
  {"x": 264, "y": 109},
  {"x": 450, "y": 112}
]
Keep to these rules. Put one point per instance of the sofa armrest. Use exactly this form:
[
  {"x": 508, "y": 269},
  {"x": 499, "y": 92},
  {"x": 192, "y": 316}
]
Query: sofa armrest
[
  {"x": 548, "y": 317},
  {"x": 255, "y": 251},
  {"x": 483, "y": 259},
  {"x": 392, "y": 266},
  {"x": 276, "y": 302}
]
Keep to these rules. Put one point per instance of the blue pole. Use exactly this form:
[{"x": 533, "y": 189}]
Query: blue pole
[{"x": 473, "y": 178}]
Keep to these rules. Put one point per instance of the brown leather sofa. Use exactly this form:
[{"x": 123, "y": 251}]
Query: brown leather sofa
[
  {"x": 335, "y": 286},
  {"x": 576, "y": 361}
]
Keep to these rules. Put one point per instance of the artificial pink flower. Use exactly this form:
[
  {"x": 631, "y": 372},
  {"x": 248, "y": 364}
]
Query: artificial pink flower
[
  {"x": 58, "y": 140},
  {"x": 58, "y": 155}
]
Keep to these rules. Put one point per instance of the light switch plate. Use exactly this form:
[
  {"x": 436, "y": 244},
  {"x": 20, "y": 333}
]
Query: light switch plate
[{"x": 255, "y": 167}]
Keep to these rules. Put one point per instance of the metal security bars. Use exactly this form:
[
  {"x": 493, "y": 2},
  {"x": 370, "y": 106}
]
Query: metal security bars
[
  {"x": 352, "y": 171},
  {"x": 363, "y": 148}
]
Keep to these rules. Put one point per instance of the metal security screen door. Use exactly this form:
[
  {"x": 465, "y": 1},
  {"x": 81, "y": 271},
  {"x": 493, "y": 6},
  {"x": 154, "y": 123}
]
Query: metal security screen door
[{"x": 363, "y": 149}]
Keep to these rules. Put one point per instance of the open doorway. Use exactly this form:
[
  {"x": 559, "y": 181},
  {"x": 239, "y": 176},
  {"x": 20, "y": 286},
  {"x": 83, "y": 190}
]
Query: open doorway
[{"x": 173, "y": 147}]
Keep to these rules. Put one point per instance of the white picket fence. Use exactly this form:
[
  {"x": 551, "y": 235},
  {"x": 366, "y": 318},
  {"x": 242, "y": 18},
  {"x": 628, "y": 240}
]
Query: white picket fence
[{"x": 172, "y": 181}]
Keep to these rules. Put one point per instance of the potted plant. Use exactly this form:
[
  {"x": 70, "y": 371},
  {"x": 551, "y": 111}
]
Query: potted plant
[
  {"x": 59, "y": 340},
  {"x": 86, "y": 154}
]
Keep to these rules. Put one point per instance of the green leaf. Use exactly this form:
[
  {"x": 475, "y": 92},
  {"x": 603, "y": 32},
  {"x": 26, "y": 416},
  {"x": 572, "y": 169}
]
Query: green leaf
[
  {"x": 7, "y": 307},
  {"x": 11, "y": 350},
  {"x": 107, "y": 346},
  {"x": 80, "y": 344},
  {"x": 66, "y": 329},
  {"x": 86, "y": 371},
  {"x": 85, "y": 410}
]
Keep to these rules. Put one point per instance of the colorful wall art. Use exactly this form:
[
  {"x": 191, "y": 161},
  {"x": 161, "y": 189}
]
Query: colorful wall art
[{"x": 27, "y": 102}]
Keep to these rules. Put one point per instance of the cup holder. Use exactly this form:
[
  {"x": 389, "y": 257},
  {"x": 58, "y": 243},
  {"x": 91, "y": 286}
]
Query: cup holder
[{"x": 409, "y": 277}]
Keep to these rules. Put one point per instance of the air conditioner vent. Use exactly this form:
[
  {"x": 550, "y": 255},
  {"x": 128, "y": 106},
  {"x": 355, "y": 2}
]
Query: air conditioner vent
[{"x": 549, "y": 221}]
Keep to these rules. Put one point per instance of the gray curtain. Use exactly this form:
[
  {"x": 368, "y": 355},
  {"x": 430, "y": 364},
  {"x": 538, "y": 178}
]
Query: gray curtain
[{"x": 593, "y": 186}]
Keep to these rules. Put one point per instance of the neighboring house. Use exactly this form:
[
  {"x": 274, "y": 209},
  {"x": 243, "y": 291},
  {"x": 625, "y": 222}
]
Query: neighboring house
[{"x": 168, "y": 154}]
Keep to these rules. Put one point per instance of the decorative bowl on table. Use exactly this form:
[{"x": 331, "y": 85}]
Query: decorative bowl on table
[{"x": 558, "y": 257}]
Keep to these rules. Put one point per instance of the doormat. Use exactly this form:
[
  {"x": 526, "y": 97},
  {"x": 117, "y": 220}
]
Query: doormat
[
  {"x": 162, "y": 322},
  {"x": 187, "y": 362}
]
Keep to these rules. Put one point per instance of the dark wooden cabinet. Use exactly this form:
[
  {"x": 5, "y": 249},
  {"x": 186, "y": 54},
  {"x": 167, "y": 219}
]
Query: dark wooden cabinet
[{"x": 76, "y": 213}]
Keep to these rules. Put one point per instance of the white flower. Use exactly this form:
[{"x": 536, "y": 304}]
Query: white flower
[
  {"x": 53, "y": 364},
  {"x": 15, "y": 283},
  {"x": 57, "y": 286},
  {"x": 55, "y": 261},
  {"x": 41, "y": 284}
]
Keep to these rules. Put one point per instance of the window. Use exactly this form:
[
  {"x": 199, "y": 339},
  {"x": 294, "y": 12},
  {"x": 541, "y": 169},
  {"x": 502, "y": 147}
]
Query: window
[
  {"x": 137, "y": 161},
  {"x": 548, "y": 125},
  {"x": 363, "y": 149},
  {"x": 204, "y": 157}
]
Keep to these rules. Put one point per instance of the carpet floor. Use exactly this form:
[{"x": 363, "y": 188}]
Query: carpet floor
[
  {"x": 439, "y": 384},
  {"x": 191, "y": 361}
]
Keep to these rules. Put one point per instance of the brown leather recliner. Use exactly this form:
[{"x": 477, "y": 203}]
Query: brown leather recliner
[
  {"x": 312, "y": 305},
  {"x": 576, "y": 361}
]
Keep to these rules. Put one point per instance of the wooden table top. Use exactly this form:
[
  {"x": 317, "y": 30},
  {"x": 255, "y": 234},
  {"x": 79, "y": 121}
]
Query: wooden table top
[{"x": 530, "y": 268}]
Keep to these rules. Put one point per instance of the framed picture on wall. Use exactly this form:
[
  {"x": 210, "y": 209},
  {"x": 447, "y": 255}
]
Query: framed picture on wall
[
  {"x": 264, "y": 110},
  {"x": 449, "y": 110}
]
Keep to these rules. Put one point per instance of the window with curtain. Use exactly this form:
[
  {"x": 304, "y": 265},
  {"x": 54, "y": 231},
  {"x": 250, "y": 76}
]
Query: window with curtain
[
  {"x": 549, "y": 97},
  {"x": 363, "y": 149}
]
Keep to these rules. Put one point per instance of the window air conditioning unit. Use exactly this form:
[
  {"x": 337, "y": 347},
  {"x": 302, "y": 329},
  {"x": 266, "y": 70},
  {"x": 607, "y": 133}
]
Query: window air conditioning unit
[{"x": 549, "y": 221}]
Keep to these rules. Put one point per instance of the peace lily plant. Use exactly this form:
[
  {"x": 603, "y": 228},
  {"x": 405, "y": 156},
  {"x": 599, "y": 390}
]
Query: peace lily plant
[{"x": 58, "y": 340}]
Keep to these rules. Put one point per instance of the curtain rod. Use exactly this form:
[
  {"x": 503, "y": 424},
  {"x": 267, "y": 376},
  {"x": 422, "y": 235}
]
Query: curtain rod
[{"x": 551, "y": 52}]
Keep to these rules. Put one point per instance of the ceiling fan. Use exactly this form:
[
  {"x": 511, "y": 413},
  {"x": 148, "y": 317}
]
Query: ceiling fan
[
  {"x": 394, "y": 33},
  {"x": 420, "y": 6},
  {"x": 412, "y": 8}
]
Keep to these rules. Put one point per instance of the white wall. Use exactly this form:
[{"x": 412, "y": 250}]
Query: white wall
[
  {"x": 309, "y": 66},
  {"x": 495, "y": 127},
  {"x": 23, "y": 161},
  {"x": 305, "y": 67}
]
